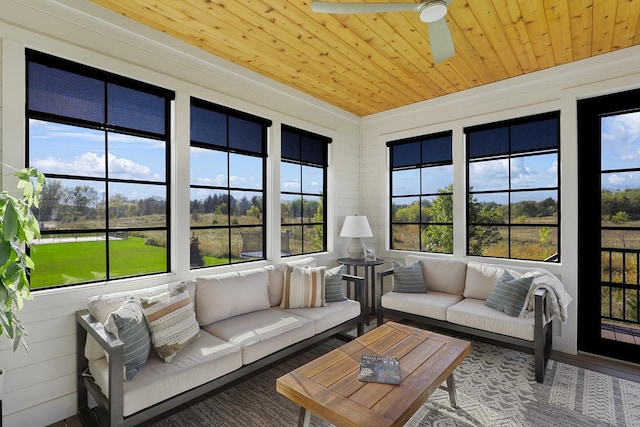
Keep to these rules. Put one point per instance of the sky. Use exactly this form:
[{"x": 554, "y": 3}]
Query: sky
[
  {"x": 620, "y": 150},
  {"x": 63, "y": 149},
  {"x": 526, "y": 172},
  {"x": 69, "y": 150}
]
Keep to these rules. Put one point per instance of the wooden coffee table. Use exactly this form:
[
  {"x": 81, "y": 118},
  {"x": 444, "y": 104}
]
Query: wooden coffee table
[{"x": 329, "y": 386}]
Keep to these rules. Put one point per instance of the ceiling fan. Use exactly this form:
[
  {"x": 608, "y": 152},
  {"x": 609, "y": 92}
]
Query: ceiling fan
[{"x": 431, "y": 11}]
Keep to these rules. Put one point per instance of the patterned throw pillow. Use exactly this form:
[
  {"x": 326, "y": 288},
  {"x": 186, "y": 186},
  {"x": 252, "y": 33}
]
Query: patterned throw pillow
[
  {"x": 129, "y": 325},
  {"x": 303, "y": 287},
  {"x": 408, "y": 278},
  {"x": 509, "y": 294},
  {"x": 333, "y": 287},
  {"x": 171, "y": 320}
]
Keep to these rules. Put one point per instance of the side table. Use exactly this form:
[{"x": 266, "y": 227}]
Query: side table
[{"x": 369, "y": 277}]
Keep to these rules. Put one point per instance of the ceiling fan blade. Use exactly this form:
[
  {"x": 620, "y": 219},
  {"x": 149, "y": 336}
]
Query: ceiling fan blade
[
  {"x": 348, "y": 8},
  {"x": 441, "y": 41}
]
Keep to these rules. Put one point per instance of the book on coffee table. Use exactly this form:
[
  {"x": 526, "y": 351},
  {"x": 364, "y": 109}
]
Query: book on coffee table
[{"x": 379, "y": 369}]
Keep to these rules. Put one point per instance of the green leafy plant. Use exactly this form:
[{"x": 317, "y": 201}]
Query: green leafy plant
[{"x": 18, "y": 228}]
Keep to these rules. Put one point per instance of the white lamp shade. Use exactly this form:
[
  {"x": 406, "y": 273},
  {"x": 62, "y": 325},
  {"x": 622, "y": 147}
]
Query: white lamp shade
[{"x": 356, "y": 226}]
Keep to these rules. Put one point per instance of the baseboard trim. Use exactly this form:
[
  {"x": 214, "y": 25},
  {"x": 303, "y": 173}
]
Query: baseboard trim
[{"x": 617, "y": 368}]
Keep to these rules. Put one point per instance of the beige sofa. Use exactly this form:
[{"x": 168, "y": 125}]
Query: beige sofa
[
  {"x": 455, "y": 300},
  {"x": 240, "y": 328}
]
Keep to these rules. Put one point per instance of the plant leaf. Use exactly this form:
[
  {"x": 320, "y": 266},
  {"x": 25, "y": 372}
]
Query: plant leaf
[{"x": 10, "y": 221}]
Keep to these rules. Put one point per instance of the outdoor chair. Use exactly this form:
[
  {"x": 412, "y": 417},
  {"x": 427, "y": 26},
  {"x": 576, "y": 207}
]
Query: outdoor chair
[{"x": 252, "y": 244}]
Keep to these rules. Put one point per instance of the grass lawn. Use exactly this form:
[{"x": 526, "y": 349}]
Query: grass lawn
[{"x": 74, "y": 262}]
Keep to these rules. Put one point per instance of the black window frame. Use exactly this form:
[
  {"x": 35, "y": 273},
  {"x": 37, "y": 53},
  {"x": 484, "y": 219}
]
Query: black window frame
[
  {"x": 231, "y": 147},
  {"x": 304, "y": 148},
  {"x": 508, "y": 150},
  {"x": 418, "y": 156},
  {"x": 52, "y": 114}
]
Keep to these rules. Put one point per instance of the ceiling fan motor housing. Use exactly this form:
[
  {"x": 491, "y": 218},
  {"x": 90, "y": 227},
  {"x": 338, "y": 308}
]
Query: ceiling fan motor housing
[{"x": 433, "y": 11}]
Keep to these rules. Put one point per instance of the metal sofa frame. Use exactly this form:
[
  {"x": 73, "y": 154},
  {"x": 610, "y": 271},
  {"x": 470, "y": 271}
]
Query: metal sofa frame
[{"x": 109, "y": 411}]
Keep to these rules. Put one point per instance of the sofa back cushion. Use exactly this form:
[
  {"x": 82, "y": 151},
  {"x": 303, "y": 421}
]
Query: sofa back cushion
[
  {"x": 275, "y": 277},
  {"x": 441, "y": 274},
  {"x": 481, "y": 279},
  {"x": 101, "y": 306},
  {"x": 225, "y": 295}
]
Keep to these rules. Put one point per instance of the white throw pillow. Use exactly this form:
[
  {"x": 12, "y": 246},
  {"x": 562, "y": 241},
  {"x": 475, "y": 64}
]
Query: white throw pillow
[{"x": 222, "y": 296}]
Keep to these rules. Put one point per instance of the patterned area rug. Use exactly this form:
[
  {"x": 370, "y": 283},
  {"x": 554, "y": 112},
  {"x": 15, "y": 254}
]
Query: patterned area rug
[{"x": 495, "y": 387}]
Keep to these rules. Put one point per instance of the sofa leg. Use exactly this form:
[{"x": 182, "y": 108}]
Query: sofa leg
[
  {"x": 542, "y": 350},
  {"x": 539, "y": 367}
]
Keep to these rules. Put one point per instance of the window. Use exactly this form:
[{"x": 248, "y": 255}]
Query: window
[
  {"x": 103, "y": 143},
  {"x": 513, "y": 189},
  {"x": 422, "y": 193},
  {"x": 303, "y": 185},
  {"x": 227, "y": 162}
]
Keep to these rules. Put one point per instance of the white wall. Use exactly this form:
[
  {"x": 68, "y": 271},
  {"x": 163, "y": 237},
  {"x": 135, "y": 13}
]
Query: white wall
[
  {"x": 40, "y": 385},
  {"x": 554, "y": 89}
]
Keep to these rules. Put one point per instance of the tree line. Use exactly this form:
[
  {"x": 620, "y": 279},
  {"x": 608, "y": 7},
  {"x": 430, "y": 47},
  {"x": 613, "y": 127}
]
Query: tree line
[{"x": 616, "y": 204}]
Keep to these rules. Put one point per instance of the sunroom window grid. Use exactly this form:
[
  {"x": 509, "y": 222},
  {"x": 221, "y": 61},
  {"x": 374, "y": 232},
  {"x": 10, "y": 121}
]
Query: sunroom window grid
[
  {"x": 104, "y": 79},
  {"x": 259, "y": 151},
  {"x": 301, "y": 149},
  {"x": 425, "y": 160},
  {"x": 552, "y": 120}
]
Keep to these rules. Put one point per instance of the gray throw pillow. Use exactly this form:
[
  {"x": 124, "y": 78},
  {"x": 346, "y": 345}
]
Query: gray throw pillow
[
  {"x": 408, "y": 278},
  {"x": 510, "y": 294},
  {"x": 333, "y": 287},
  {"x": 129, "y": 325}
]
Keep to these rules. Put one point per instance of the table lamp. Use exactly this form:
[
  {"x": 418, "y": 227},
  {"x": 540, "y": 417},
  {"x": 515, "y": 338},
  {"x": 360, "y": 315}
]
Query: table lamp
[{"x": 356, "y": 227}]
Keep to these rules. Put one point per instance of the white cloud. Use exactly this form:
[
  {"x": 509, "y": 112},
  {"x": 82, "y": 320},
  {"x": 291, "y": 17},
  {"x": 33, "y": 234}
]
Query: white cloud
[
  {"x": 621, "y": 137},
  {"x": 92, "y": 164}
]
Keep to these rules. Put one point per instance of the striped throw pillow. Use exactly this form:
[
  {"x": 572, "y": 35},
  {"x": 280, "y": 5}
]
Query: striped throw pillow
[
  {"x": 509, "y": 294},
  {"x": 129, "y": 325},
  {"x": 303, "y": 287},
  {"x": 333, "y": 287},
  {"x": 408, "y": 278},
  {"x": 172, "y": 321}
]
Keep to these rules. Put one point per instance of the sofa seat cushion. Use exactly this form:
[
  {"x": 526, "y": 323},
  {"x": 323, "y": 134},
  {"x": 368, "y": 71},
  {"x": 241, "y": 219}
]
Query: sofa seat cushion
[
  {"x": 333, "y": 314},
  {"x": 199, "y": 362},
  {"x": 475, "y": 314},
  {"x": 261, "y": 333},
  {"x": 432, "y": 304}
]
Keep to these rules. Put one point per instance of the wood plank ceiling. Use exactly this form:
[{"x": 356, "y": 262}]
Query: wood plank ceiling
[{"x": 370, "y": 63}]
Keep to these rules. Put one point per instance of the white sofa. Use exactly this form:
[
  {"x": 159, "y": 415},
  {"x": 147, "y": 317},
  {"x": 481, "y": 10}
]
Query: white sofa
[
  {"x": 455, "y": 296},
  {"x": 240, "y": 328}
]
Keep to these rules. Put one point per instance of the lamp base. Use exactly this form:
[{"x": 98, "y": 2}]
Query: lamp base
[{"x": 356, "y": 249}]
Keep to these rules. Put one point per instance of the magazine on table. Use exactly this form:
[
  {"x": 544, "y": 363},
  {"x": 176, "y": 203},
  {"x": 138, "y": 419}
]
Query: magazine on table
[{"x": 379, "y": 369}]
